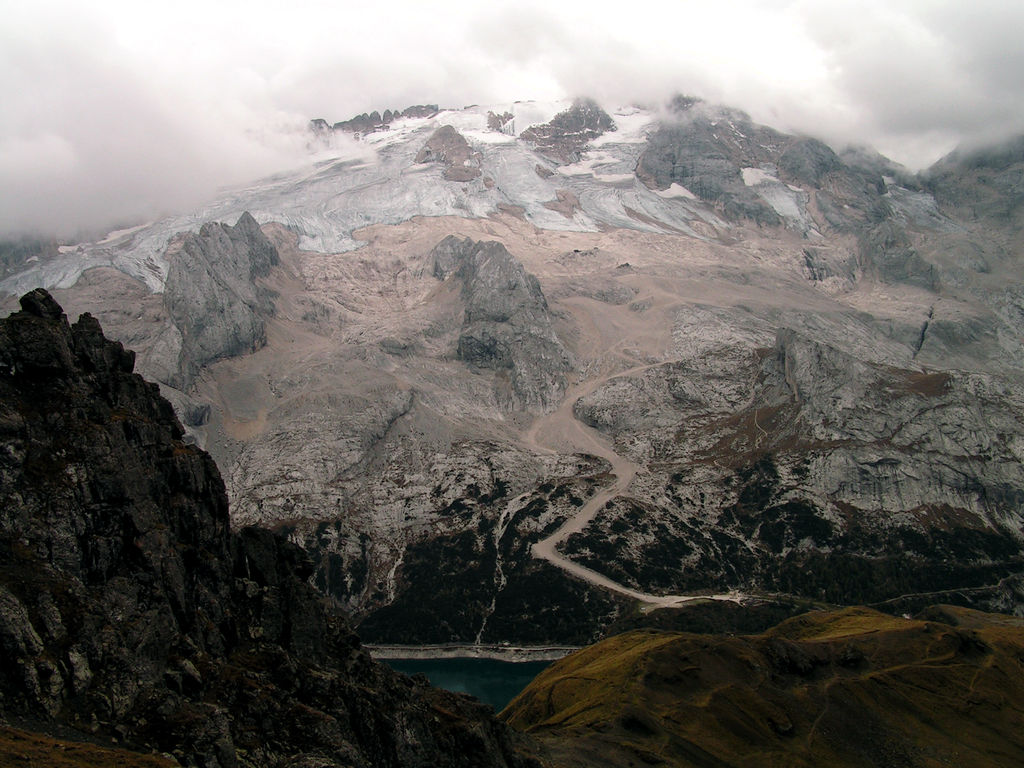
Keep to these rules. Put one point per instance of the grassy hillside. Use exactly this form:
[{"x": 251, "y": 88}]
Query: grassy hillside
[
  {"x": 32, "y": 749},
  {"x": 844, "y": 688}
]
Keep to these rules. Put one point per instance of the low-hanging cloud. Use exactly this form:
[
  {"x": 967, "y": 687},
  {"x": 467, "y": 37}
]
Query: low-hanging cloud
[{"x": 116, "y": 112}]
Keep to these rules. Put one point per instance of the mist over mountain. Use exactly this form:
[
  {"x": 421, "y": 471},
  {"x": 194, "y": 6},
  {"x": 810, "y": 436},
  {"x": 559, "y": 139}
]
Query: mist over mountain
[
  {"x": 515, "y": 375},
  {"x": 116, "y": 113},
  {"x": 506, "y": 371}
]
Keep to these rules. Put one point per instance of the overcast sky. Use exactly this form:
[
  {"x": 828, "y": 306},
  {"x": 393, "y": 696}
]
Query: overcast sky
[{"x": 111, "y": 111}]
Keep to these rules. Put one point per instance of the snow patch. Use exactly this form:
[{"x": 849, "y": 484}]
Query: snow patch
[
  {"x": 631, "y": 127},
  {"x": 754, "y": 176},
  {"x": 592, "y": 164},
  {"x": 676, "y": 190}
]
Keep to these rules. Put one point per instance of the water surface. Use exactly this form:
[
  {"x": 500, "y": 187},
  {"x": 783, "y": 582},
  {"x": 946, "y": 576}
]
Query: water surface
[{"x": 493, "y": 682}]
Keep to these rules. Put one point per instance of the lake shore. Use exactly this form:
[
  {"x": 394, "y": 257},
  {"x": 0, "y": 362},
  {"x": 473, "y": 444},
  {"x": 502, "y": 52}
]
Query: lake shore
[{"x": 509, "y": 653}]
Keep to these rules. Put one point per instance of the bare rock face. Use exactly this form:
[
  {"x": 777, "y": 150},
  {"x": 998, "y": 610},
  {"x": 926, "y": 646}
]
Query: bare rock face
[
  {"x": 369, "y": 122},
  {"x": 986, "y": 185},
  {"x": 570, "y": 131},
  {"x": 501, "y": 122},
  {"x": 448, "y": 147},
  {"x": 129, "y": 610},
  {"x": 507, "y": 326},
  {"x": 212, "y": 296},
  {"x": 742, "y": 168},
  {"x": 827, "y": 476}
]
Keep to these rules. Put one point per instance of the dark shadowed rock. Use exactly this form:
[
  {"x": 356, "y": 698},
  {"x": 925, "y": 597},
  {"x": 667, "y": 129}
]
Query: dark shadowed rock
[
  {"x": 374, "y": 121},
  {"x": 808, "y": 161},
  {"x": 129, "y": 610}
]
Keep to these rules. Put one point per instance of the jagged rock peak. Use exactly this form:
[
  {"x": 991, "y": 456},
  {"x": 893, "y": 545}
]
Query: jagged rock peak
[
  {"x": 128, "y": 608},
  {"x": 372, "y": 121},
  {"x": 569, "y": 132},
  {"x": 213, "y": 294},
  {"x": 495, "y": 284},
  {"x": 38, "y": 342}
]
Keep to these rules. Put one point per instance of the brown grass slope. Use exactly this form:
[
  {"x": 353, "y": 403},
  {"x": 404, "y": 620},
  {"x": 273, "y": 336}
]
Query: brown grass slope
[
  {"x": 846, "y": 688},
  {"x": 22, "y": 748}
]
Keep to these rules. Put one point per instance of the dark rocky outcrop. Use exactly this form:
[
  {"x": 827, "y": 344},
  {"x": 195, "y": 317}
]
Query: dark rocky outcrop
[
  {"x": 449, "y": 147},
  {"x": 213, "y": 296},
  {"x": 568, "y": 133},
  {"x": 985, "y": 184},
  {"x": 507, "y": 326},
  {"x": 130, "y": 611},
  {"x": 368, "y": 122},
  {"x": 705, "y": 150}
]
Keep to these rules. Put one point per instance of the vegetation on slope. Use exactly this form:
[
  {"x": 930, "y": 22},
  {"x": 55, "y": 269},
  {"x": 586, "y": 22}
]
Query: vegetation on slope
[
  {"x": 846, "y": 688},
  {"x": 19, "y": 747}
]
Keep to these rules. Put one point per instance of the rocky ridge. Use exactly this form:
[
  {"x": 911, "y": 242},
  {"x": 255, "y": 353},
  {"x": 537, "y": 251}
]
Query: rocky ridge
[
  {"x": 368, "y": 122},
  {"x": 129, "y": 611},
  {"x": 805, "y": 361}
]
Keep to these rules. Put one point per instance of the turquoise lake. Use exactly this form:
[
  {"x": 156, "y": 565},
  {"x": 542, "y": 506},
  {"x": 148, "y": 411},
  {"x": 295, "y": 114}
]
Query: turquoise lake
[{"x": 493, "y": 682}]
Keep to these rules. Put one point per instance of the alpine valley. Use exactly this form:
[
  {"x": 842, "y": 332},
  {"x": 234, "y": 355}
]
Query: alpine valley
[{"x": 509, "y": 375}]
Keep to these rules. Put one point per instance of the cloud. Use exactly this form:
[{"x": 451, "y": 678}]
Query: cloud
[
  {"x": 117, "y": 111},
  {"x": 91, "y": 137}
]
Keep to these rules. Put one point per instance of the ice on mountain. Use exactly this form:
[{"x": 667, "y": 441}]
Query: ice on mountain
[
  {"x": 676, "y": 190},
  {"x": 375, "y": 179},
  {"x": 754, "y": 176}
]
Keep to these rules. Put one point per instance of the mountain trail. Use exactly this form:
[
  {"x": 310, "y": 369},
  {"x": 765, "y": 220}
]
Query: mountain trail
[{"x": 559, "y": 431}]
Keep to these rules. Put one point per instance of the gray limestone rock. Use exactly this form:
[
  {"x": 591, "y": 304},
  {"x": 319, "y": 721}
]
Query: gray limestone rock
[
  {"x": 507, "y": 325},
  {"x": 212, "y": 294}
]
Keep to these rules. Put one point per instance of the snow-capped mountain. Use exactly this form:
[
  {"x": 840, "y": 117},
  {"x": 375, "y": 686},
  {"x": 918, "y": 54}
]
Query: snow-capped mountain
[{"x": 505, "y": 371}]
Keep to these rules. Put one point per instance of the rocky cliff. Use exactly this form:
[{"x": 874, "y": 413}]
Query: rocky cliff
[
  {"x": 507, "y": 325},
  {"x": 212, "y": 296},
  {"x": 129, "y": 611}
]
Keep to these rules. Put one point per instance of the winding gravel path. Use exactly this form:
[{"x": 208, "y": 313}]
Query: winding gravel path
[{"x": 560, "y": 432}]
